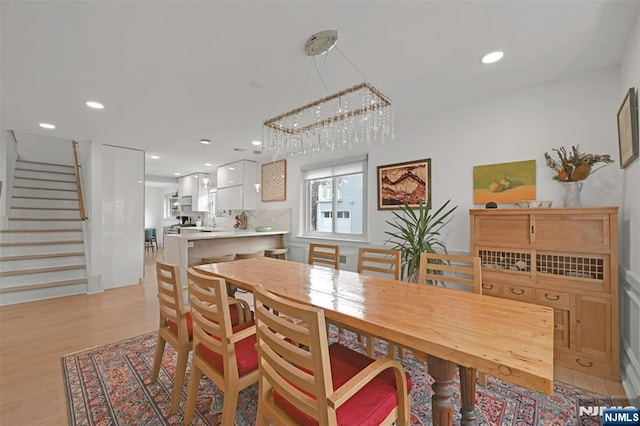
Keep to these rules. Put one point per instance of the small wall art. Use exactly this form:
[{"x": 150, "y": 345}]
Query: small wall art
[
  {"x": 628, "y": 128},
  {"x": 274, "y": 181},
  {"x": 504, "y": 182},
  {"x": 400, "y": 183}
]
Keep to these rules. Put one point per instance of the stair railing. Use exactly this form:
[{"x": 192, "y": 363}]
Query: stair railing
[{"x": 76, "y": 168}]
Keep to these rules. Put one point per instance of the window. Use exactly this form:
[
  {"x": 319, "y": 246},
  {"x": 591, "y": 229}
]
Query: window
[
  {"x": 334, "y": 199},
  {"x": 171, "y": 206}
]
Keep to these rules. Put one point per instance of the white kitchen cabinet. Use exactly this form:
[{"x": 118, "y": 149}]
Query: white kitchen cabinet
[
  {"x": 193, "y": 192},
  {"x": 236, "y": 186}
]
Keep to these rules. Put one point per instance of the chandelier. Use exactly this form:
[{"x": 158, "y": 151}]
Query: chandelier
[{"x": 361, "y": 113}]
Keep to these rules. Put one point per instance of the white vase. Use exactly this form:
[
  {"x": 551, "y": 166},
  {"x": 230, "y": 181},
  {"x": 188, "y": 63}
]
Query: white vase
[{"x": 571, "y": 194}]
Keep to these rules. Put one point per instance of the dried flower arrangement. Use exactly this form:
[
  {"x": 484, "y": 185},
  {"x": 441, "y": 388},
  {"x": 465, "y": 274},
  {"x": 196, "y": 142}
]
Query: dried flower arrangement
[{"x": 575, "y": 166}]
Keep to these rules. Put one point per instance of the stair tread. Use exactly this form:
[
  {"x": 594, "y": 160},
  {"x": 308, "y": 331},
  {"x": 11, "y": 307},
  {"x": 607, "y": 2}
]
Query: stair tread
[
  {"x": 45, "y": 208},
  {"x": 43, "y": 198},
  {"x": 44, "y": 171},
  {"x": 45, "y": 180},
  {"x": 18, "y": 231},
  {"x": 40, "y": 243},
  {"x": 44, "y": 189},
  {"x": 41, "y": 162},
  {"x": 43, "y": 285},
  {"x": 41, "y": 256},
  {"x": 41, "y": 270},
  {"x": 51, "y": 219}
]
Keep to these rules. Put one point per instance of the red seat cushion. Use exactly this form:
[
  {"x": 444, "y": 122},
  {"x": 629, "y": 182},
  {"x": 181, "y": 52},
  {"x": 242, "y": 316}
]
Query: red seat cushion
[
  {"x": 369, "y": 406},
  {"x": 246, "y": 354},
  {"x": 174, "y": 327},
  {"x": 234, "y": 310}
]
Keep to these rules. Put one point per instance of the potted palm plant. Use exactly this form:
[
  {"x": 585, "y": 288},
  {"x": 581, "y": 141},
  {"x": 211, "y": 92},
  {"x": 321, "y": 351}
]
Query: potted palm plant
[{"x": 417, "y": 231}]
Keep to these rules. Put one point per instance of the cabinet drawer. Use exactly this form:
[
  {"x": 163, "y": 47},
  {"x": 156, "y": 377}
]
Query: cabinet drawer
[
  {"x": 516, "y": 292},
  {"x": 580, "y": 362},
  {"x": 491, "y": 289},
  {"x": 554, "y": 299}
]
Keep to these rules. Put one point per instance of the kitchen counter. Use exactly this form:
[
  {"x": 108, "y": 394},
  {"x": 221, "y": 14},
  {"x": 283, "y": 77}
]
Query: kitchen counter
[
  {"x": 200, "y": 233},
  {"x": 188, "y": 249}
]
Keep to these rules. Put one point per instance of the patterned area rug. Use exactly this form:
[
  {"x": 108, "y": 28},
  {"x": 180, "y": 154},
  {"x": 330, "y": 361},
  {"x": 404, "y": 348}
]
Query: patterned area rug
[{"x": 109, "y": 385}]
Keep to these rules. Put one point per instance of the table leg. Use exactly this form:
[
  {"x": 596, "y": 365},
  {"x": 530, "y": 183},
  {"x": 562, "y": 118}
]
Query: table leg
[
  {"x": 468, "y": 394},
  {"x": 443, "y": 372}
]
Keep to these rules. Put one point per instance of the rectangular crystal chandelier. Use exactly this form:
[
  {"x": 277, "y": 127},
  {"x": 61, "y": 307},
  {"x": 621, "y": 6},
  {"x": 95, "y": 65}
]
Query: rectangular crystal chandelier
[{"x": 361, "y": 113}]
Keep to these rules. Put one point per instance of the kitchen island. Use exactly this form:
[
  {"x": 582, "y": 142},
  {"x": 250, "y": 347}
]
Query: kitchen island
[{"x": 188, "y": 249}]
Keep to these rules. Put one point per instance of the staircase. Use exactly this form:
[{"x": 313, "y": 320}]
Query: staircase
[{"x": 42, "y": 251}]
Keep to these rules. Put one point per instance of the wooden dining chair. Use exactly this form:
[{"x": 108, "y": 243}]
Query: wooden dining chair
[
  {"x": 304, "y": 380},
  {"x": 380, "y": 262},
  {"x": 455, "y": 272},
  {"x": 224, "y": 353},
  {"x": 324, "y": 255},
  {"x": 176, "y": 325},
  {"x": 231, "y": 290},
  {"x": 279, "y": 253}
]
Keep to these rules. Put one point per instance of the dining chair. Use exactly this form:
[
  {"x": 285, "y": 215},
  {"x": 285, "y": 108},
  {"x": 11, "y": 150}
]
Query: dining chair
[
  {"x": 380, "y": 262},
  {"x": 324, "y": 255},
  {"x": 223, "y": 352},
  {"x": 304, "y": 380},
  {"x": 150, "y": 240},
  {"x": 455, "y": 272},
  {"x": 231, "y": 290},
  {"x": 176, "y": 325}
]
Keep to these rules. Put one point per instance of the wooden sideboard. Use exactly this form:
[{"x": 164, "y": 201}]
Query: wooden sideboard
[{"x": 564, "y": 258}]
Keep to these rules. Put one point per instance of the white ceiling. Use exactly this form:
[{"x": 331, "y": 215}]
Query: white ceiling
[{"x": 171, "y": 73}]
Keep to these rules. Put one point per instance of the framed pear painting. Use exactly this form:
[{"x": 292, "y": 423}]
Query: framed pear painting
[{"x": 504, "y": 183}]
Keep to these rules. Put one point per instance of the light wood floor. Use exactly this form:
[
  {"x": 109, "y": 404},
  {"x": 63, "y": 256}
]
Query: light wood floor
[{"x": 34, "y": 337}]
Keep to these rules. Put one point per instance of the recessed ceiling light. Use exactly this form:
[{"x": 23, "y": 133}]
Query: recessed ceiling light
[
  {"x": 205, "y": 141},
  {"x": 155, "y": 157},
  {"x": 492, "y": 57},
  {"x": 208, "y": 164},
  {"x": 95, "y": 105},
  {"x": 177, "y": 174},
  {"x": 256, "y": 143},
  {"x": 47, "y": 126},
  {"x": 231, "y": 168}
]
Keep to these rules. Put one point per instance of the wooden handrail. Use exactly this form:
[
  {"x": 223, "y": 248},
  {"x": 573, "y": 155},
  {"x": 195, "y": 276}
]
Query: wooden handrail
[{"x": 76, "y": 169}]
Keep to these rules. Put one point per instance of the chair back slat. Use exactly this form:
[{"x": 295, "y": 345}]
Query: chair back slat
[
  {"x": 170, "y": 295},
  {"x": 287, "y": 365},
  {"x": 324, "y": 254},
  {"x": 379, "y": 261},
  {"x": 209, "y": 310},
  {"x": 438, "y": 268}
]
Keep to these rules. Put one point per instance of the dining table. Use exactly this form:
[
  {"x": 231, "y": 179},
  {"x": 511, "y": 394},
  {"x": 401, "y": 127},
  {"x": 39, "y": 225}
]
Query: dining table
[{"x": 507, "y": 339}]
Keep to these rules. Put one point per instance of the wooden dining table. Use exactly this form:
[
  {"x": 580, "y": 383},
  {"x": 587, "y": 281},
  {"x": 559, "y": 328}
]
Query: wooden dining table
[{"x": 510, "y": 340}]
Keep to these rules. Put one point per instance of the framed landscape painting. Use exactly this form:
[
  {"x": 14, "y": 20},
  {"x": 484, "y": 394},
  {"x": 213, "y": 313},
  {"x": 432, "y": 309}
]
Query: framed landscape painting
[
  {"x": 401, "y": 183},
  {"x": 504, "y": 182}
]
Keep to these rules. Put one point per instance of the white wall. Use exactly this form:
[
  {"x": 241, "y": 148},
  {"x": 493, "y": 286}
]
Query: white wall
[
  {"x": 519, "y": 126},
  {"x": 153, "y": 210},
  {"x": 630, "y": 238}
]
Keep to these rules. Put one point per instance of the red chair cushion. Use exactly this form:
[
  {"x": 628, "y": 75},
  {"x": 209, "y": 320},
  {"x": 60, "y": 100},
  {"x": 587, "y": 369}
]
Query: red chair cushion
[
  {"x": 234, "y": 310},
  {"x": 369, "y": 406},
  {"x": 174, "y": 327},
  {"x": 246, "y": 354}
]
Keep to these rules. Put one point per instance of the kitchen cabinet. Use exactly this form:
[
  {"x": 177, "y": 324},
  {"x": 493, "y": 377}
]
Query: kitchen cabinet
[
  {"x": 236, "y": 186},
  {"x": 193, "y": 192},
  {"x": 565, "y": 259}
]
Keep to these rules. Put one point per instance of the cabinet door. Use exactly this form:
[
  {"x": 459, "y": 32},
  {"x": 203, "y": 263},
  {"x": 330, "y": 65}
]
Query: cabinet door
[
  {"x": 235, "y": 173},
  {"x": 222, "y": 177},
  {"x": 583, "y": 232},
  {"x": 229, "y": 198},
  {"x": 503, "y": 231},
  {"x": 593, "y": 326}
]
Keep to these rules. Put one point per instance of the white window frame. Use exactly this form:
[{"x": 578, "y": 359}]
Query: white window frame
[{"x": 334, "y": 170}]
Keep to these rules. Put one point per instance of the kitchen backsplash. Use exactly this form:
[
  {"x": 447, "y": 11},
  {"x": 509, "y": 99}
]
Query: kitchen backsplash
[{"x": 279, "y": 219}]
